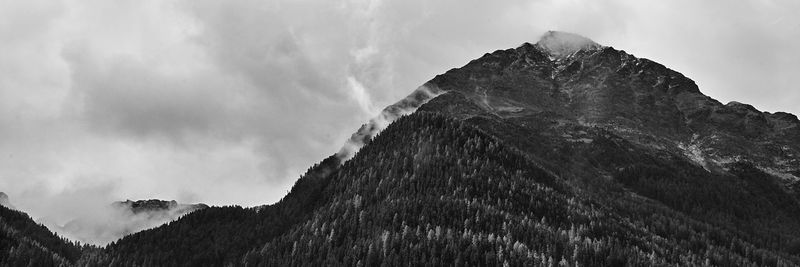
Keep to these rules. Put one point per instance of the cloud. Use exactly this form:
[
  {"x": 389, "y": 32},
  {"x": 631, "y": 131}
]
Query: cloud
[
  {"x": 228, "y": 102},
  {"x": 563, "y": 44},
  {"x": 125, "y": 97},
  {"x": 359, "y": 93},
  {"x": 405, "y": 106},
  {"x": 90, "y": 214}
]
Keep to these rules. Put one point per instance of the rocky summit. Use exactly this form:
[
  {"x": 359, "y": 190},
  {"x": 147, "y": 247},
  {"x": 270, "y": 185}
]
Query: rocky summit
[
  {"x": 565, "y": 84},
  {"x": 157, "y": 205},
  {"x": 562, "y": 44}
]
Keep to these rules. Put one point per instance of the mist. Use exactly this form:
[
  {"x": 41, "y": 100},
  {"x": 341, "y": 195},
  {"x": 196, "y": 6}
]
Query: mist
[
  {"x": 406, "y": 106},
  {"x": 90, "y": 215},
  {"x": 113, "y": 221}
]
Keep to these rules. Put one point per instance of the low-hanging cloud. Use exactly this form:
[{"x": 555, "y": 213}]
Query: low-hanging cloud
[
  {"x": 111, "y": 222},
  {"x": 405, "y": 106},
  {"x": 228, "y": 102}
]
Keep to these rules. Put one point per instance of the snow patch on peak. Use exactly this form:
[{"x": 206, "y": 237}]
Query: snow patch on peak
[{"x": 559, "y": 44}]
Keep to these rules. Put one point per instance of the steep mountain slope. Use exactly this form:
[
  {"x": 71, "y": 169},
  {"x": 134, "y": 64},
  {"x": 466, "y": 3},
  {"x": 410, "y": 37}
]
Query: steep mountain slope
[
  {"x": 430, "y": 189},
  {"x": 637, "y": 99}
]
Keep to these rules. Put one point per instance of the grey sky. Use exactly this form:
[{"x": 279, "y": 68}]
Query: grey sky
[{"x": 227, "y": 102}]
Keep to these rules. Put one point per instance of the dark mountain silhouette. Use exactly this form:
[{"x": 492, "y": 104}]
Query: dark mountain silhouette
[{"x": 563, "y": 152}]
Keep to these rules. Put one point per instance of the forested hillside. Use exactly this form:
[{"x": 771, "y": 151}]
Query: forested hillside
[
  {"x": 430, "y": 189},
  {"x": 24, "y": 242},
  {"x": 434, "y": 190}
]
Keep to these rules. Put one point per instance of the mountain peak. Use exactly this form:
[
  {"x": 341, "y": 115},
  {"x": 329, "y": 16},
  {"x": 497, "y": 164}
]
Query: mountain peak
[{"x": 560, "y": 44}]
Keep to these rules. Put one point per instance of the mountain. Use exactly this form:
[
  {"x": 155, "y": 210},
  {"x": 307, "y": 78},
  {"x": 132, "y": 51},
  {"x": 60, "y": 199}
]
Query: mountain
[
  {"x": 563, "y": 152},
  {"x": 591, "y": 111}
]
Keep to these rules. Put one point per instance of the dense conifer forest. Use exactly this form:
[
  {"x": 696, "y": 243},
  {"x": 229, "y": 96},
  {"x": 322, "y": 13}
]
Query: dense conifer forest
[
  {"x": 429, "y": 190},
  {"x": 26, "y": 243}
]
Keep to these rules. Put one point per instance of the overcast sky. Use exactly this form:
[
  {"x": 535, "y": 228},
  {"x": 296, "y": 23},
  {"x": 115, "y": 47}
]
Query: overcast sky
[{"x": 228, "y": 102}]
